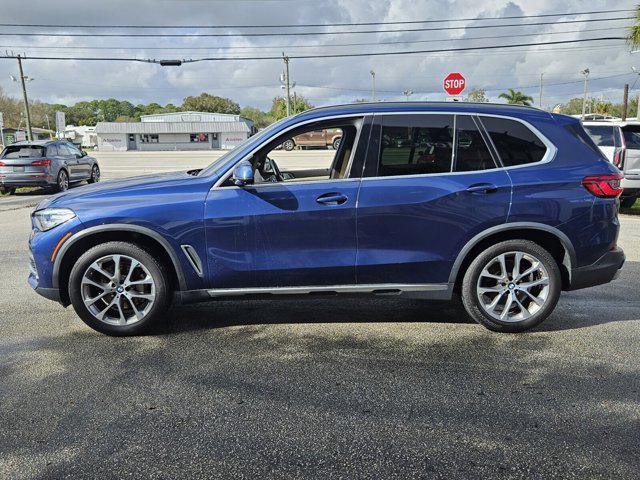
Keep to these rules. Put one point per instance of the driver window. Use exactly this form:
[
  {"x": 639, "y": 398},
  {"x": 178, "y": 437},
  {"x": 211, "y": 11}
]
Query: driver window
[{"x": 314, "y": 153}]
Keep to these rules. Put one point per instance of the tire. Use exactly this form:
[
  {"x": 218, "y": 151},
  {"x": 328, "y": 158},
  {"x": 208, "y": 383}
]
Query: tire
[
  {"x": 627, "y": 202},
  {"x": 527, "y": 313},
  {"x": 62, "y": 182},
  {"x": 336, "y": 143},
  {"x": 288, "y": 145},
  {"x": 95, "y": 174},
  {"x": 151, "y": 299}
]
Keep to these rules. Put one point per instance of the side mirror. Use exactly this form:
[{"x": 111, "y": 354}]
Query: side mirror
[{"x": 243, "y": 174}]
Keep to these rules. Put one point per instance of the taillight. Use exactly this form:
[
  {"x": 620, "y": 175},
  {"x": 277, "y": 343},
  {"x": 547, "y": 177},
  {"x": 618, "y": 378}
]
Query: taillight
[
  {"x": 2, "y": 164},
  {"x": 41, "y": 163},
  {"x": 604, "y": 186},
  {"x": 618, "y": 158}
]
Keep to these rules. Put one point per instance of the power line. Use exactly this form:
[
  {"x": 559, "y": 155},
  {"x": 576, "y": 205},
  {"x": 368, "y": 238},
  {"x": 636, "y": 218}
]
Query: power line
[
  {"x": 279, "y": 47},
  {"x": 333, "y": 55},
  {"x": 343, "y": 24},
  {"x": 280, "y": 34}
]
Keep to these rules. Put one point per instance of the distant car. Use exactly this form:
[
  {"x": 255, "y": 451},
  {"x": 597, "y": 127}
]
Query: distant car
[
  {"x": 620, "y": 143},
  {"x": 315, "y": 138},
  {"x": 45, "y": 163}
]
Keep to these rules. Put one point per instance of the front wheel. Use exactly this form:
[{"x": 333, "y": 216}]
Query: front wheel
[
  {"x": 336, "y": 143},
  {"x": 95, "y": 174},
  {"x": 512, "y": 286},
  {"x": 288, "y": 145},
  {"x": 117, "y": 288}
]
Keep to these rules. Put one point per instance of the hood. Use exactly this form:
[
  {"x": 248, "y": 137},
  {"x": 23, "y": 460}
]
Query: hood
[{"x": 91, "y": 194}]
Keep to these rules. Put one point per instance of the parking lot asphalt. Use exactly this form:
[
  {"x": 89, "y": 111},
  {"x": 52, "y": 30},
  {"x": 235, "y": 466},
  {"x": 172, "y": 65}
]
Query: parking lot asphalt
[{"x": 320, "y": 388}]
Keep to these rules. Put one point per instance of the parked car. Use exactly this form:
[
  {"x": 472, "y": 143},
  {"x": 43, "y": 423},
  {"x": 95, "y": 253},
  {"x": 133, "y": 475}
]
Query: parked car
[
  {"x": 45, "y": 163},
  {"x": 620, "y": 143},
  {"x": 502, "y": 205},
  {"x": 315, "y": 138}
]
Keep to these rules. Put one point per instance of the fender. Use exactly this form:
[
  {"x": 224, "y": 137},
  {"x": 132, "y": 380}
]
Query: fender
[
  {"x": 119, "y": 227},
  {"x": 570, "y": 254}
]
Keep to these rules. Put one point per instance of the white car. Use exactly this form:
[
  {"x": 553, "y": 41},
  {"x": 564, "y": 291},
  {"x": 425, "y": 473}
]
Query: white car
[{"x": 620, "y": 142}]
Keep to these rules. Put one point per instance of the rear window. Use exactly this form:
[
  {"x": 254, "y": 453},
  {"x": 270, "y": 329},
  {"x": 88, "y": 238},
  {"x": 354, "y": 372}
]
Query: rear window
[
  {"x": 516, "y": 144},
  {"x": 602, "y": 135},
  {"x": 23, "y": 151},
  {"x": 631, "y": 134}
]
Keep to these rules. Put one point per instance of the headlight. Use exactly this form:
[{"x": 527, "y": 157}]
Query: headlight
[{"x": 51, "y": 217}]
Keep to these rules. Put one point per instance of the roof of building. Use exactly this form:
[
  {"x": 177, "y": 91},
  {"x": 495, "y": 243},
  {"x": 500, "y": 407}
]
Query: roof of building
[
  {"x": 191, "y": 116},
  {"x": 171, "y": 127}
]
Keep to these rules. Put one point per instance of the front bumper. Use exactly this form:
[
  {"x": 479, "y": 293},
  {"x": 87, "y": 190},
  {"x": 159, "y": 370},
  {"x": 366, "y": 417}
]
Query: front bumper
[{"x": 604, "y": 270}]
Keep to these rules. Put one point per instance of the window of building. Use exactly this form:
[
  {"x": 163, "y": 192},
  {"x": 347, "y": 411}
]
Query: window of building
[
  {"x": 516, "y": 144},
  {"x": 472, "y": 153},
  {"x": 199, "y": 137},
  {"x": 416, "y": 144},
  {"x": 149, "y": 138}
]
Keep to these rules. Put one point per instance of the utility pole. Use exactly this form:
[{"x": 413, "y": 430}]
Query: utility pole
[
  {"x": 625, "y": 102},
  {"x": 373, "y": 85},
  {"x": 286, "y": 82},
  {"x": 541, "y": 77},
  {"x": 585, "y": 72},
  {"x": 26, "y": 101},
  {"x": 295, "y": 103}
]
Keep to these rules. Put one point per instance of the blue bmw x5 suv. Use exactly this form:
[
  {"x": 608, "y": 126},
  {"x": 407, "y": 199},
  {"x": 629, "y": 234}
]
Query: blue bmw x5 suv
[{"x": 503, "y": 206}]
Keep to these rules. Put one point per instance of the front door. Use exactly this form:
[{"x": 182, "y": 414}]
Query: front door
[
  {"x": 295, "y": 227},
  {"x": 430, "y": 185},
  {"x": 131, "y": 142}
]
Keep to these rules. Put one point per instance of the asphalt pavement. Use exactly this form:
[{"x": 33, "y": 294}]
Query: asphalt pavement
[{"x": 319, "y": 388}]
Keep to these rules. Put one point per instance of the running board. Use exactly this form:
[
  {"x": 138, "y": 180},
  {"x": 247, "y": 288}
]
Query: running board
[{"x": 376, "y": 289}]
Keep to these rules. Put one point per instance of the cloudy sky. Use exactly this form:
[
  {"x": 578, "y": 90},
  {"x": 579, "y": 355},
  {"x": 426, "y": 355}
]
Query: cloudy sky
[{"x": 323, "y": 81}]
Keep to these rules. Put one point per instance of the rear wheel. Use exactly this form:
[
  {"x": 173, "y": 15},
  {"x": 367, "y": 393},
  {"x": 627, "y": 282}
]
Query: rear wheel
[
  {"x": 627, "y": 202},
  {"x": 95, "y": 174},
  {"x": 118, "y": 288},
  {"x": 512, "y": 286},
  {"x": 288, "y": 145},
  {"x": 336, "y": 143},
  {"x": 62, "y": 182}
]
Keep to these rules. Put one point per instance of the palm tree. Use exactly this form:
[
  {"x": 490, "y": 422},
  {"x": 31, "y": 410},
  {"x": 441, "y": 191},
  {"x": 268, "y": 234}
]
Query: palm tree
[
  {"x": 516, "y": 97},
  {"x": 633, "y": 38}
]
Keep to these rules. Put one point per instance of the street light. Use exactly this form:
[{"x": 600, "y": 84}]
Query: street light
[
  {"x": 407, "y": 92},
  {"x": 23, "y": 78},
  {"x": 585, "y": 72}
]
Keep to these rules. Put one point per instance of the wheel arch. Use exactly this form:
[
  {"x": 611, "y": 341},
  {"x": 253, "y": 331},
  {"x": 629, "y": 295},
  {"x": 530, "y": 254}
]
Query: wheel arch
[
  {"x": 550, "y": 238},
  {"x": 90, "y": 237}
]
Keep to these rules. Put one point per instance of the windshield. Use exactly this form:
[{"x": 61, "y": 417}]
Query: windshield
[
  {"x": 212, "y": 167},
  {"x": 602, "y": 135},
  {"x": 23, "y": 151},
  {"x": 632, "y": 136}
]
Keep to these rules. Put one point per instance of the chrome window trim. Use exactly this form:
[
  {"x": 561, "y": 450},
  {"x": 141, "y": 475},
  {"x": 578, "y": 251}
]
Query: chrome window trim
[{"x": 227, "y": 174}]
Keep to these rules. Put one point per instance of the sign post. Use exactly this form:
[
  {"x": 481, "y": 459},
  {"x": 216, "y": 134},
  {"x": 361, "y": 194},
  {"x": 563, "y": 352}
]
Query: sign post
[
  {"x": 61, "y": 124},
  {"x": 454, "y": 84},
  {"x": 1, "y": 129}
]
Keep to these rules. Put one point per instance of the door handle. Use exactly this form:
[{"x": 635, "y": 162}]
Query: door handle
[
  {"x": 332, "y": 198},
  {"x": 482, "y": 188}
]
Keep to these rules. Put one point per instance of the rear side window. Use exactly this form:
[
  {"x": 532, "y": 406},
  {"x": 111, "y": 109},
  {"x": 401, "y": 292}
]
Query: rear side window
[
  {"x": 602, "y": 135},
  {"x": 63, "y": 150},
  {"x": 52, "y": 151},
  {"x": 516, "y": 144},
  {"x": 416, "y": 145},
  {"x": 472, "y": 153},
  {"x": 631, "y": 134},
  {"x": 23, "y": 151}
]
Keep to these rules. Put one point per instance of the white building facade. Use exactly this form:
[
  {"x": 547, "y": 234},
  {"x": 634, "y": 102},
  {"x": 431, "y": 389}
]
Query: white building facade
[{"x": 175, "y": 131}]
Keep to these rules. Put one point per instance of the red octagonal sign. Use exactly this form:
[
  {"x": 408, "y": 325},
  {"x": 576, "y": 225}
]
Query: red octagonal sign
[{"x": 454, "y": 83}]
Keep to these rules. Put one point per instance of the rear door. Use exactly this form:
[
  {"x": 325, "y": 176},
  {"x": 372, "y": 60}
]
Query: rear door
[
  {"x": 83, "y": 163},
  {"x": 431, "y": 183},
  {"x": 631, "y": 135},
  {"x": 69, "y": 162}
]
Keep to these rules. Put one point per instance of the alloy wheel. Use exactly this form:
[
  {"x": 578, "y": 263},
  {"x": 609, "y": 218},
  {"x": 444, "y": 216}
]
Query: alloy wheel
[
  {"x": 513, "y": 286},
  {"x": 63, "y": 181},
  {"x": 118, "y": 290},
  {"x": 95, "y": 174}
]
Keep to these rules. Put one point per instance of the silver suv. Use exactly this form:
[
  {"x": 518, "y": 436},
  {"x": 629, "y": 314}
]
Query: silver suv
[
  {"x": 45, "y": 163},
  {"x": 620, "y": 142}
]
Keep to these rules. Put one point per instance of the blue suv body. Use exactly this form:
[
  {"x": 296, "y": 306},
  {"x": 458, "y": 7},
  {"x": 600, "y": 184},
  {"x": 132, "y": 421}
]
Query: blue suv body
[{"x": 503, "y": 205}]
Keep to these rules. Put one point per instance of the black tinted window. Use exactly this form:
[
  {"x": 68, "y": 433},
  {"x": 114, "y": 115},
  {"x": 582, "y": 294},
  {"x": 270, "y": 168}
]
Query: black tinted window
[
  {"x": 602, "y": 135},
  {"x": 416, "y": 144},
  {"x": 472, "y": 152},
  {"x": 64, "y": 151},
  {"x": 516, "y": 144},
  {"x": 23, "y": 151},
  {"x": 52, "y": 151},
  {"x": 631, "y": 134}
]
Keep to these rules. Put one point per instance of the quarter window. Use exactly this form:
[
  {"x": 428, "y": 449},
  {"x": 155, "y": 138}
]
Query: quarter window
[
  {"x": 472, "y": 153},
  {"x": 516, "y": 144},
  {"x": 415, "y": 145}
]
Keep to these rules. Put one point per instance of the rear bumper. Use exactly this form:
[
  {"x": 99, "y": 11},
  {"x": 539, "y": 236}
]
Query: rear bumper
[
  {"x": 33, "y": 182},
  {"x": 604, "y": 270}
]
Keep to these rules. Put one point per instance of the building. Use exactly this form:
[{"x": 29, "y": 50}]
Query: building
[
  {"x": 12, "y": 135},
  {"x": 175, "y": 131},
  {"x": 82, "y": 136}
]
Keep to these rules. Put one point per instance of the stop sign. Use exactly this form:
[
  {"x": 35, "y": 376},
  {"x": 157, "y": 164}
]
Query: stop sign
[{"x": 454, "y": 83}]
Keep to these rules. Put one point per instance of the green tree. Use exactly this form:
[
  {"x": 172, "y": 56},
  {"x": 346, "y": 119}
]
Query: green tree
[
  {"x": 633, "y": 32},
  {"x": 279, "y": 106},
  {"x": 260, "y": 119},
  {"x": 516, "y": 97},
  {"x": 477, "y": 95},
  {"x": 210, "y": 103}
]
